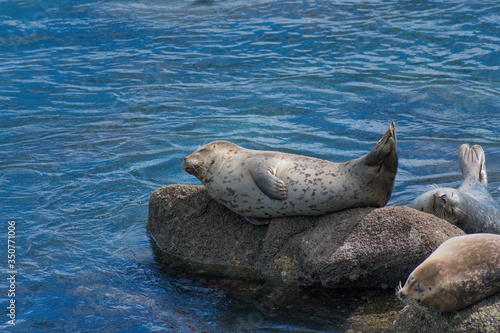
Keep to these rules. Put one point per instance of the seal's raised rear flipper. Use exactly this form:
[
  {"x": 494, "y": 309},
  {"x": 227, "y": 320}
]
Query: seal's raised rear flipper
[
  {"x": 265, "y": 178},
  {"x": 379, "y": 167},
  {"x": 385, "y": 152},
  {"x": 472, "y": 163}
]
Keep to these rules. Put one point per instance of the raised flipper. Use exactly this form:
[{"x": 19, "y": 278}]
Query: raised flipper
[
  {"x": 385, "y": 152},
  {"x": 265, "y": 178},
  {"x": 256, "y": 221},
  {"x": 472, "y": 163}
]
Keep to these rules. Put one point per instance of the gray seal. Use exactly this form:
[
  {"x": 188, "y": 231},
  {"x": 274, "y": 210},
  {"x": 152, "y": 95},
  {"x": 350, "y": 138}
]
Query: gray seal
[
  {"x": 266, "y": 184},
  {"x": 460, "y": 272},
  {"x": 470, "y": 207}
]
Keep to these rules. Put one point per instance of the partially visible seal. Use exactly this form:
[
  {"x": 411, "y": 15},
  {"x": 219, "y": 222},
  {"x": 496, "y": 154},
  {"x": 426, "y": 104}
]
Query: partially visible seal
[
  {"x": 460, "y": 272},
  {"x": 266, "y": 184},
  {"x": 470, "y": 207}
]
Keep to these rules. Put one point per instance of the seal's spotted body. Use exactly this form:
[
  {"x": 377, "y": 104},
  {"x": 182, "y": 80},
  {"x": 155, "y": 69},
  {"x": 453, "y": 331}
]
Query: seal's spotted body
[
  {"x": 264, "y": 184},
  {"x": 460, "y": 272}
]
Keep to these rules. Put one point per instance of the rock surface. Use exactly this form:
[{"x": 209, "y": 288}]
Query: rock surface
[
  {"x": 481, "y": 317},
  {"x": 355, "y": 248}
]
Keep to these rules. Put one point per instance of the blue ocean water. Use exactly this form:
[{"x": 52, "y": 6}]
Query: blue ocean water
[{"x": 101, "y": 100}]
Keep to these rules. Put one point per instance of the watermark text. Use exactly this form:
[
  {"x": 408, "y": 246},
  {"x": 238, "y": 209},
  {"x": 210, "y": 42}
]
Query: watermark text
[{"x": 11, "y": 272}]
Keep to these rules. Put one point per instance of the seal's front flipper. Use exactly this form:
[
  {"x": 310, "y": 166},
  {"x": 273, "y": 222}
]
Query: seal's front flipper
[
  {"x": 257, "y": 222},
  {"x": 265, "y": 178},
  {"x": 385, "y": 152},
  {"x": 472, "y": 163}
]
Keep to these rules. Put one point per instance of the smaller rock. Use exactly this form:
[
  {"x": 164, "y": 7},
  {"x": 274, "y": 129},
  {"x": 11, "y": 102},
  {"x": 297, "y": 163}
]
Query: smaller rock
[{"x": 482, "y": 317}]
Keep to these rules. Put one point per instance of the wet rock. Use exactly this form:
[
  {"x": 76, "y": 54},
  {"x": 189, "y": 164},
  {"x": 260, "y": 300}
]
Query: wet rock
[
  {"x": 481, "y": 317},
  {"x": 361, "y": 248}
]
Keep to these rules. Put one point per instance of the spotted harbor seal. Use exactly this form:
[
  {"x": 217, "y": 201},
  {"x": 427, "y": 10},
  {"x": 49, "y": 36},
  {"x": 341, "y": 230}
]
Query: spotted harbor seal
[
  {"x": 266, "y": 184},
  {"x": 460, "y": 272},
  {"x": 470, "y": 207}
]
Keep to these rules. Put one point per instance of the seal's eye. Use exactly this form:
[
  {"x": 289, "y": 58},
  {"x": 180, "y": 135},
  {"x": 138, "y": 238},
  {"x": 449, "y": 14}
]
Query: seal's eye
[
  {"x": 443, "y": 197},
  {"x": 202, "y": 150}
]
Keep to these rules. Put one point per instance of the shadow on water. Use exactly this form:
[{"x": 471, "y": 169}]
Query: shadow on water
[
  {"x": 258, "y": 306},
  {"x": 203, "y": 3}
]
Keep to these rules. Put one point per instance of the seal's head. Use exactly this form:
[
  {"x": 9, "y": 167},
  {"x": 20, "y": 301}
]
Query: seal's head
[
  {"x": 421, "y": 286},
  {"x": 199, "y": 163},
  {"x": 443, "y": 202}
]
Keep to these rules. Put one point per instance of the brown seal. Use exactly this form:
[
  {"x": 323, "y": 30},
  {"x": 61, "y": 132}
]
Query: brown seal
[
  {"x": 266, "y": 184},
  {"x": 460, "y": 272}
]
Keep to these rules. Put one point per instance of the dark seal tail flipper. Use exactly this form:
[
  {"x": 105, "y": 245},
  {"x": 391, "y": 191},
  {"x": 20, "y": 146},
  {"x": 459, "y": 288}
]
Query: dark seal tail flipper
[
  {"x": 472, "y": 163},
  {"x": 385, "y": 153},
  {"x": 382, "y": 161}
]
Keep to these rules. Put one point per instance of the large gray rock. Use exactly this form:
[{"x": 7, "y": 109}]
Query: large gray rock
[
  {"x": 362, "y": 247},
  {"x": 481, "y": 317}
]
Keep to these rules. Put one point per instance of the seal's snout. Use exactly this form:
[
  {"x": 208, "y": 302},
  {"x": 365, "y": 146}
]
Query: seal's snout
[
  {"x": 188, "y": 166},
  {"x": 399, "y": 292},
  {"x": 184, "y": 163}
]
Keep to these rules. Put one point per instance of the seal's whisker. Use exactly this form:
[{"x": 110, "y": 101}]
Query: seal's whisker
[
  {"x": 440, "y": 212},
  {"x": 399, "y": 287},
  {"x": 413, "y": 303},
  {"x": 408, "y": 301},
  {"x": 444, "y": 212}
]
